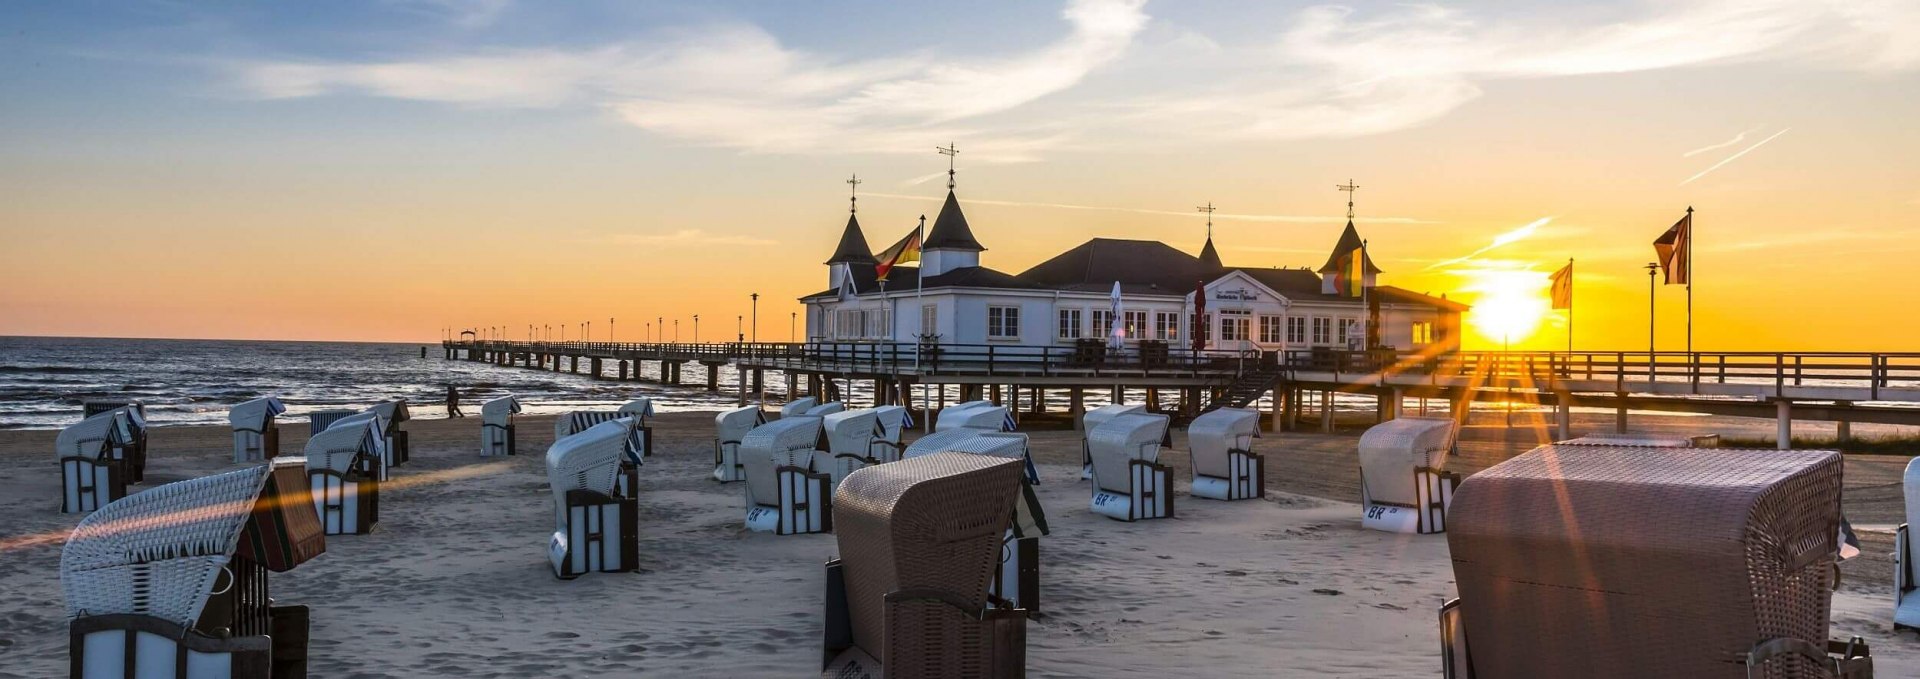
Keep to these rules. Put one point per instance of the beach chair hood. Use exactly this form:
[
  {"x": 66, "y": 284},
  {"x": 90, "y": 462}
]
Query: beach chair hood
[
  {"x": 345, "y": 439},
  {"x": 733, "y": 425},
  {"x": 851, "y": 432},
  {"x": 253, "y": 415},
  {"x": 787, "y": 441},
  {"x": 589, "y": 460},
  {"x": 92, "y": 436},
  {"x": 1121, "y": 439},
  {"x": 980, "y": 415},
  {"x": 798, "y": 406},
  {"x": 1392, "y": 450},
  {"x": 641, "y": 408},
  {"x": 1213, "y": 434},
  {"x": 500, "y": 410}
]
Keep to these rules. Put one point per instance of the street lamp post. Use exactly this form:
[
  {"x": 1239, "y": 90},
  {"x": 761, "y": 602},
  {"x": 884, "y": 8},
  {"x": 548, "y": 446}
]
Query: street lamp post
[
  {"x": 1652, "y": 268},
  {"x": 696, "y": 328},
  {"x": 756, "y": 316},
  {"x": 609, "y": 328},
  {"x": 739, "y": 324},
  {"x": 793, "y": 322},
  {"x": 676, "y": 330}
]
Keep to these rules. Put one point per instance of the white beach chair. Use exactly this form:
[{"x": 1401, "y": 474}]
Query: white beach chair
[
  {"x": 91, "y": 473},
  {"x": 496, "y": 427},
  {"x": 391, "y": 414},
  {"x": 172, "y": 583},
  {"x": 850, "y": 435},
  {"x": 1404, "y": 485},
  {"x": 1094, "y": 418},
  {"x": 132, "y": 450},
  {"x": 798, "y": 406},
  {"x": 826, "y": 409},
  {"x": 344, "y": 468},
  {"x": 568, "y": 424},
  {"x": 640, "y": 409},
  {"x": 889, "y": 423},
  {"x": 1224, "y": 464},
  {"x": 1129, "y": 483},
  {"x": 256, "y": 436},
  {"x": 596, "y": 506},
  {"x": 1016, "y": 582},
  {"x": 783, "y": 496},
  {"x": 1906, "y": 557},
  {"x": 981, "y": 415},
  {"x": 728, "y": 428}
]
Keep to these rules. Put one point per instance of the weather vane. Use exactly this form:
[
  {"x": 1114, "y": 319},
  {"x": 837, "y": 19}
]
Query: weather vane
[
  {"x": 1349, "y": 187},
  {"x": 949, "y": 151},
  {"x": 1209, "y": 210},
  {"x": 853, "y": 198}
]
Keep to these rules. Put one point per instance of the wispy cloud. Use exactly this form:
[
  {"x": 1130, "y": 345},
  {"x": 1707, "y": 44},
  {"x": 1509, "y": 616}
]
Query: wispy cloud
[
  {"x": 1734, "y": 157},
  {"x": 1714, "y": 147},
  {"x": 1503, "y": 239},
  {"x": 1217, "y": 216},
  {"x": 688, "y": 237}
]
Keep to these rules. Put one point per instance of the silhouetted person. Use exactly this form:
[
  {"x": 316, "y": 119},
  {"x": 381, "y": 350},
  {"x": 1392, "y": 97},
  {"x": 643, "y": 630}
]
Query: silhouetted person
[{"x": 453, "y": 403}]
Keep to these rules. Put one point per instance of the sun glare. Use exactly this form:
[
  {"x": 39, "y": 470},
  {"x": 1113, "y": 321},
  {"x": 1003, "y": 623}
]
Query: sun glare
[{"x": 1511, "y": 306}]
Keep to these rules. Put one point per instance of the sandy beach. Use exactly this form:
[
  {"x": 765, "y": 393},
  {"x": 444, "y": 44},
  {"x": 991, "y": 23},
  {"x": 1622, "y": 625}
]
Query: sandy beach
[{"x": 454, "y": 580}]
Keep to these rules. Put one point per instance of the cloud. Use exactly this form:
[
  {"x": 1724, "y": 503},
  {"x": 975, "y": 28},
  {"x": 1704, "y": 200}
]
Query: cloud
[
  {"x": 1734, "y": 157},
  {"x": 1508, "y": 238},
  {"x": 469, "y": 14},
  {"x": 1715, "y": 147},
  {"x": 689, "y": 237}
]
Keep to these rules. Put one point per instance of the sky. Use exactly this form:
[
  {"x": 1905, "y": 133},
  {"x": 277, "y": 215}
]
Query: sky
[{"x": 384, "y": 169}]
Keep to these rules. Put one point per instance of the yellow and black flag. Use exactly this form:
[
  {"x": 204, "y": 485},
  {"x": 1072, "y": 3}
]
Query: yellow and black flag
[
  {"x": 1676, "y": 252},
  {"x": 1563, "y": 287}
]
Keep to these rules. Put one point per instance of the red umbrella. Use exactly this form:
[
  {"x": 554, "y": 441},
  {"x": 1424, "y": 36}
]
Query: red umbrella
[{"x": 1199, "y": 314}]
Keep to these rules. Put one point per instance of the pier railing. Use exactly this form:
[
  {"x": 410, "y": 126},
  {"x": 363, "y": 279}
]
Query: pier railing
[
  {"x": 1868, "y": 376},
  {"x": 910, "y": 358}
]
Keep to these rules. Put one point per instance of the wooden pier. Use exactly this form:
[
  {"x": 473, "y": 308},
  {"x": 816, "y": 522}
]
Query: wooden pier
[{"x": 1843, "y": 387}]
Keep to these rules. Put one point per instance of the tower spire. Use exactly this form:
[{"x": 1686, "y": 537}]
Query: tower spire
[
  {"x": 853, "y": 197},
  {"x": 949, "y": 151},
  {"x": 1209, "y": 210},
  {"x": 1349, "y": 187},
  {"x": 1207, "y": 254}
]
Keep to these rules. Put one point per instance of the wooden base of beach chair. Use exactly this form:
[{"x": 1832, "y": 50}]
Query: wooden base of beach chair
[
  {"x": 87, "y": 484},
  {"x": 1086, "y": 460},
  {"x": 930, "y": 633},
  {"x": 726, "y": 462},
  {"x": 1906, "y": 580},
  {"x": 347, "y": 504},
  {"x": 805, "y": 504},
  {"x": 254, "y": 446},
  {"x": 1246, "y": 478},
  {"x": 1434, "y": 489},
  {"x": 397, "y": 451},
  {"x": 1150, "y": 496},
  {"x": 643, "y": 440},
  {"x": 497, "y": 440},
  {"x": 1017, "y": 581},
  {"x": 626, "y": 482},
  {"x": 127, "y": 646},
  {"x": 601, "y": 536}
]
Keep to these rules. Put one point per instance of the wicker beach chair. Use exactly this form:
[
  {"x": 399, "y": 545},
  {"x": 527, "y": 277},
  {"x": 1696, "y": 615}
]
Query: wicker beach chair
[
  {"x": 172, "y": 583},
  {"x": 1224, "y": 464},
  {"x": 1129, "y": 483},
  {"x": 1094, "y": 418},
  {"x": 981, "y": 415},
  {"x": 344, "y": 468},
  {"x": 94, "y": 459},
  {"x": 1016, "y": 583},
  {"x": 132, "y": 450},
  {"x": 596, "y": 506},
  {"x": 568, "y": 424},
  {"x": 1404, "y": 484},
  {"x": 256, "y": 436},
  {"x": 918, "y": 544},
  {"x": 729, "y": 427},
  {"x": 889, "y": 423},
  {"x": 783, "y": 496},
  {"x": 392, "y": 414},
  {"x": 1906, "y": 557},
  {"x": 1645, "y": 441},
  {"x": 496, "y": 427},
  {"x": 1649, "y": 563},
  {"x": 850, "y": 435},
  {"x": 826, "y": 409},
  {"x": 798, "y": 406}
]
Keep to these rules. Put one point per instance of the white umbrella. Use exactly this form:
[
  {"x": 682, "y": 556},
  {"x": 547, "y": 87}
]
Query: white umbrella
[{"x": 1117, "y": 335}]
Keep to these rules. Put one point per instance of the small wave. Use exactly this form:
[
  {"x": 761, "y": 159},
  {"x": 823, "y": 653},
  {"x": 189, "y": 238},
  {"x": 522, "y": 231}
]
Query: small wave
[{"x": 52, "y": 369}]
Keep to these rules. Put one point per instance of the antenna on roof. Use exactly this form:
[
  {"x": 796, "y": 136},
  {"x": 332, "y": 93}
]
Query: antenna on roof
[
  {"x": 1349, "y": 187},
  {"x": 853, "y": 198},
  {"x": 949, "y": 151},
  {"x": 1209, "y": 210}
]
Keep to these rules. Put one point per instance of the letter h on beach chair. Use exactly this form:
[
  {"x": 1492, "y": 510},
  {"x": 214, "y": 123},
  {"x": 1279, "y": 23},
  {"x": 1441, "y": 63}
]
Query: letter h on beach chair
[
  {"x": 1224, "y": 464},
  {"x": 1404, "y": 485},
  {"x": 496, "y": 427},
  {"x": 1016, "y": 583},
  {"x": 172, "y": 583},
  {"x": 131, "y": 447},
  {"x": 729, "y": 427},
  {"x": 908, "y": 596},
  {"x": 1129, "y": 483},
  {"x": 90, "y": 475},
  {"x": 1648, "y": 563},
  {"x": 255, "y": 434},
  {"x": 783, "y": 496},
  {"x": 1906, "y": 557},
  {"x": 344, "y": 467},
  {"x": 596, "y": 501}
]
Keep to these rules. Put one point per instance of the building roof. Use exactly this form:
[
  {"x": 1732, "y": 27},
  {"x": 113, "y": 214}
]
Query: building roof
[
  {"x": 907, "y": 279},
  {"x": 1302, "y": 285},
  {"x": 1349, "y": 241},
  {"x": 950, "y": 230},
  {"x": 853, "y": 246},
  {"x": 1140, "y": 266},
  {"x": 1208, "y": 255}
]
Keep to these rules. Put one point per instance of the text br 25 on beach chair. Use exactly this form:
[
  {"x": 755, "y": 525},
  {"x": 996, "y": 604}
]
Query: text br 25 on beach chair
[
  {"x": 1647, "y": 563},
  {"x": 1094, "y": 418},
  {"x": 919, "y": 540},
  {"x": 1016, "y": 583},
  {"x": 172, "y": 583},
  {"x": 1129, "y": 483},
  {"x": 1906, "y": 557},
  {"x": 94, "y": 464},
  {"x": 496, "y": 426},
  {"x": 596, "y": 503},
  {"x": 783, "y": 496},
  {"x": 1404, "y": 484},
  {"x": 256, "y": 436},
  {"x": 1224, "y": 464},
  {"x": 344, "y": 467},
  {"x": 132, "y": 452},
  {"x": 728, "y": 428}
]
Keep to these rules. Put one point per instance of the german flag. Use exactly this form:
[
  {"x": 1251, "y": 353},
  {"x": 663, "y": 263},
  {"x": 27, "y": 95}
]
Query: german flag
[
  {"x": 907, "y": 250},
  {"x": 1347, "y": 281}
]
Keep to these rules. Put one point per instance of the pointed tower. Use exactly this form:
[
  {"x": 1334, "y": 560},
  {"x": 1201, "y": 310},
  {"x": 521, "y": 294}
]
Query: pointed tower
[
  {"x": 1349, "y": 242},
  {"x": 1207, "y": 254},
  {"x": 853, "y": 250},
  {"x": 950, "y": 243}
]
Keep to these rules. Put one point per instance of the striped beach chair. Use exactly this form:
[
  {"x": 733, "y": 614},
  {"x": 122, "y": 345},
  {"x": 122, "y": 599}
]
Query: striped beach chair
[
  {"x": 496, "y": 426},
  {"x": 1016, "y": 583},
  {"x": 1129, "y": 483},
  {"x": 578, "y": 421},
  {"x": 132, "y": 452},
  {"x": 1404, "y": 484},
  {"x": 595, "y": 501},
  {"x": 93, "y": 456},
  {"x": 344, "y": 469},
  {"x": 784, "y": 496},
  {"x": 729, "y": 427},
  {"x": 256, "y": 436},
  {"x": 319, "y": 420}
]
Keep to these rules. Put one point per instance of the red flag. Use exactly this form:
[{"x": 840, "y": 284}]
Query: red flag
[{"x": 1676, "y": 252}]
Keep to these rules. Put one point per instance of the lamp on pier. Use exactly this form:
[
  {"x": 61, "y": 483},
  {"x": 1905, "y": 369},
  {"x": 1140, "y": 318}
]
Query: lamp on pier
[{"x": 756, "y": 316}]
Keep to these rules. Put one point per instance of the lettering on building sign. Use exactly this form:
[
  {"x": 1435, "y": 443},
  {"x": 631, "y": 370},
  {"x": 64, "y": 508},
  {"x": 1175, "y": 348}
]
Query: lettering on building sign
[{"x": 1242, "y": 294}]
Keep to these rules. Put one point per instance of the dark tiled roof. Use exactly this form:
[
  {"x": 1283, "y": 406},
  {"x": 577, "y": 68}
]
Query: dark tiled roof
[
  {"x": 1210, "y": 256},
  {"x": 907, "y": 278},
  {"x": 950, "y": 230},
  {"x": 1140, "y": 266},
  {"x": 1301, "y": 284},
  {"x": 1349, "y": 241},
  {"x": 853, "y": 246}
]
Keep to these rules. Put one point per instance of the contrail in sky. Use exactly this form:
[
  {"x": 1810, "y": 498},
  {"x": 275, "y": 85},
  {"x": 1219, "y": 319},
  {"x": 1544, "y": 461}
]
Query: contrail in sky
[
  {"x": 1218, "y": 216},
  {"x": 1502, "y": 239},
  {"x": 1734, "y": 157},
  {"x": 1735, "y": 140}
]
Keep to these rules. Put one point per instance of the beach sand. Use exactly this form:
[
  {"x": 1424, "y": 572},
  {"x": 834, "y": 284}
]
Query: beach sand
[{"x": 454, "y": 580}]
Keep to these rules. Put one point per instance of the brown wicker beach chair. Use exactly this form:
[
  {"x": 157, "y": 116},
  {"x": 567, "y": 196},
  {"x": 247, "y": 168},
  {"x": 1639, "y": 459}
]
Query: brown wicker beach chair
[
  {"x": 1644, "y": 562},
  {"x": 919, "y": 541}
]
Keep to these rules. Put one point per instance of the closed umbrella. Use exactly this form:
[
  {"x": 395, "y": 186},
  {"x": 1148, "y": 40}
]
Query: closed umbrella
[{"x": 1117, "y": 335}]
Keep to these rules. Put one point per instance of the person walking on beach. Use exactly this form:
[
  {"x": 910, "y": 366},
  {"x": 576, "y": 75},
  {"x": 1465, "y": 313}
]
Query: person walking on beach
[{"x": 453, "y": 403}]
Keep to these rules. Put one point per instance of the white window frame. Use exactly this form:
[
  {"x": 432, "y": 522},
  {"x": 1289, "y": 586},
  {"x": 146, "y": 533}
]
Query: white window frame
[
  {"x": 1271, "y": 329},
  {"x": 1100, "y": 323},
  {"x": 1135, "y": 322},
  {"x": 1008, "y": 316},
  {"x": 1322, "y": 330},
  {"x": 1296, "y": 330},
  {"x": 1166, "y": 326},
  {"x": 1069, "y": 323},
  {"x": 929, "y": 319},
  {"x": 1422, "y": 332}
]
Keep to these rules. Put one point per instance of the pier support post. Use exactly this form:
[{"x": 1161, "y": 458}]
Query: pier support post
[
  {"x": 1039, "y": 400},
  {"x": 740, "y": 375},
  {"x": 593, "y": 364},
  {"x": 1326, "y": 411},
  {"x": 1119, "y": 394},
  {"x": 1076, "y": 404},
  {"x": 575, "y": 369},
  {"x": 713, "y": 377},
  {"x": 623, "y": 370},
  {"x": 760, "y": 384},
  {"x": 1276, "y": 407},
  {"x": 1843, "y": 428},
  {"x": 1620, "y": 414},
  {"x": 1563, "y": 416},
  {"x": 1783, "y": 424}
]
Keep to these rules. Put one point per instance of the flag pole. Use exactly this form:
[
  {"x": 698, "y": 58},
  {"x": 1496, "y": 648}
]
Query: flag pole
[
  {"x": 919, "y": 297},
  {"x": 1569, "y": 308},
  {"x": 1689, "y": 255}
]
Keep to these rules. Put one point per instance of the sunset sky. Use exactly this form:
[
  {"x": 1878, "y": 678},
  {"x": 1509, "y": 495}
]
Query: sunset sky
[{"x": 381, "y": 170}]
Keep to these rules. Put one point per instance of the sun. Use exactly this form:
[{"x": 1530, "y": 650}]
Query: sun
[{"x": 1511, "y": 307}]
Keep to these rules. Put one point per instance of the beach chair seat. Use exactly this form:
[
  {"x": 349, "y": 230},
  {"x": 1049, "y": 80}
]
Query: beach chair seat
[
  {"x": 594, "y": 477},
  {"x": 391, "y": 414},
  {"x": 172, "y": 583},
  {"x": 1094, "y": 418},
  {"x": 91, "y": 476},
  {"x": 1906, "y": 557},
  {"x": 1016, "y": 582},
  {"x": 256, "y": 435},
  {"x": 919, "y": 540},
  {"x": 1224, "y": 464},
  {"x": 798, "y": 406},
  {"x": 345, "y": 466},
  {"x": 1633, "y": 561},
  {"x": 1404, "y": 484},
  {"x": 496, "y": 427},
  {"x": 729, "y": 427},
  {"x": 784, "y": 496},
  {"x": 1129, "y": 483},
  {"x": 131, "y": 448},
  {"x": 850, "y": 435}
]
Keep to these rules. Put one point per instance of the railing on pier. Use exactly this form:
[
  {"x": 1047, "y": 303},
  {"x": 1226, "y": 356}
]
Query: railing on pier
[
  {"x": 907, "y": 357},
  {"x": 1866, "y": 375}
]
